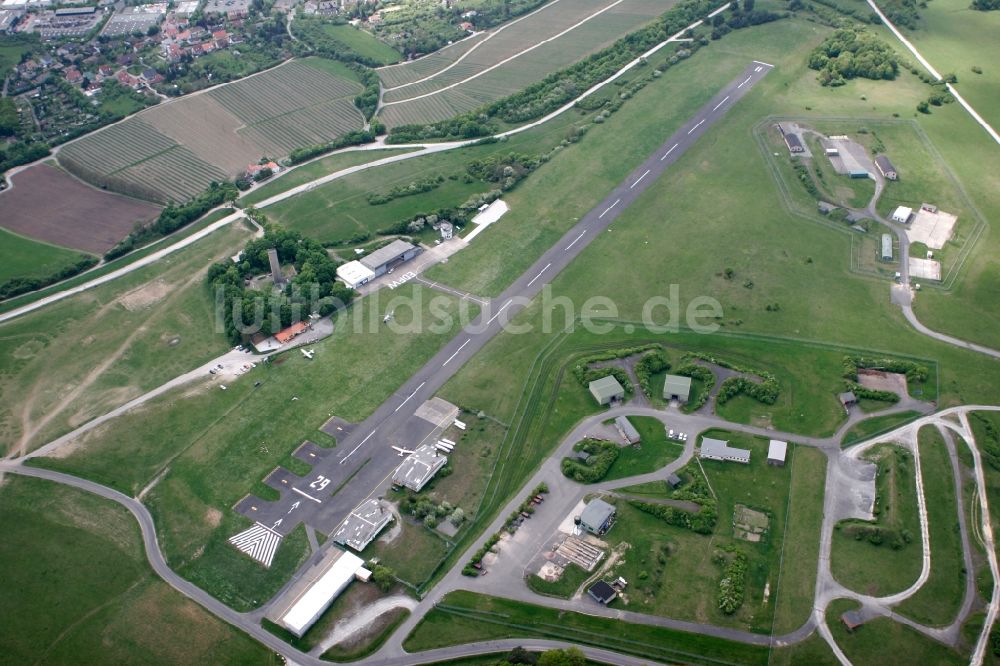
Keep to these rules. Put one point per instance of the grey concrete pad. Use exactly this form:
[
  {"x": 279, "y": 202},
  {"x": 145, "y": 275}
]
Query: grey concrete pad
[
  {"x": 281, "y": 479},
  {"x": 311, "y": 452},
  {"x": 337, "y": 428},
  {"x": 251, "y": 506},
  {"x": 437, "y": 411}
]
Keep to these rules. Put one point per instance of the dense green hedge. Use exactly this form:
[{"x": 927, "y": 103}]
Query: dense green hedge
[
  {"x": 649, "y": 365},
  {"x": 696, "y": 490},
  {"x": 702, "y": 374},
  {"x": 915, "y": 372},
  {"x": 766, "y": 391},
  {"x": 602, "y": 456},
  {"x": 732, "y": 584},
  {"x": 300, "y": 155},
  {"x": 21, "y": 285},
  {"x": 174, "y": 217}
]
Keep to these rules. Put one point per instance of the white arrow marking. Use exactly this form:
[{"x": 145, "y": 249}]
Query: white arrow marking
[{"x": 294, "y": 507}]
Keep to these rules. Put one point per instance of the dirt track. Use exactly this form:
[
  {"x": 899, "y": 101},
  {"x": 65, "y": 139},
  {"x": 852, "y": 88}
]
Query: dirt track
[{"x": 52, "y": 206}]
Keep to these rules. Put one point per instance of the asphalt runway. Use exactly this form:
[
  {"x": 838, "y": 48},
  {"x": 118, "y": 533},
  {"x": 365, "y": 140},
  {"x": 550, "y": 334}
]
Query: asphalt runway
[{"x": 363, "y": 460}]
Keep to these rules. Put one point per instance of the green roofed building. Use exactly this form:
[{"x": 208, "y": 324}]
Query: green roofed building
[
  {"x": 606, "y": 389},
  {"x": 676, "y": 387}
]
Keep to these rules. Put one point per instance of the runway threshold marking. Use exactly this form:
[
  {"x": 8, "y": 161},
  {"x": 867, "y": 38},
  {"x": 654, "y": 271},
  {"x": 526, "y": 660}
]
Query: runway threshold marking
[
  {"x": 606, "y": 210},
  {"x": 574, "y": 241},
  {"x": 307, "y": 496},
  {"x": 669, "y": 151},
  {"x": 539, "y": 274},
  {"x": 696, "y": 126},
  {"x": 502, "y": 308},
  {"x": 761, "y": 62},
  {"x": 638, "y": 180},
  {"x": 745, "y": 82},
  {"x": 721, "y": 103},
  {"x": 357, "y": 447},
  {"x": 456, "y": 352},
  {"x": 409, "y": 396}
]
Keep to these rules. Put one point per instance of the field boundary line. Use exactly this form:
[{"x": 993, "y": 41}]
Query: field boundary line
[
  {"x": 506, "y": 60},
  {"x": 474, "y": 47}
]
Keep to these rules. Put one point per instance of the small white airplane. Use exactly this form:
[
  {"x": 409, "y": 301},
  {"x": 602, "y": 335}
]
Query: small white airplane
[
  {"x": 402, "y": 452},
  {"x": 388, "y": 317},
  {"x": 308, "y": 353}
]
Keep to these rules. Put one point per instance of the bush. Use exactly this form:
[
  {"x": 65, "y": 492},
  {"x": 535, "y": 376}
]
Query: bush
[
  {"x": 649, "y": 365},
  {"x": 733, "y": 582},
  {"x": 602, "y": 456}
]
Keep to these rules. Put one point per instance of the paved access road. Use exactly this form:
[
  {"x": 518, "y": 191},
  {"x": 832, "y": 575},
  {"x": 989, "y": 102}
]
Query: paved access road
[{"x": 364, "y": 458}]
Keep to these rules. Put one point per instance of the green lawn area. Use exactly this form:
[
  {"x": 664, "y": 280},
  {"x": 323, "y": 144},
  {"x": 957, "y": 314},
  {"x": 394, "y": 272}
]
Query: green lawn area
[
  {"x": 229, "y": 440},
  {"x": 877, "y": 425},
  {"x": 414, "y": 554},
  {"x": 813, "y": 651},
  {"x": 835, "y": 188},
  {"x": 670, "y": 569},
  {"x": 892, "y": 562},
  {"x": 474, "y": 458},
  {"x": 653, "y": 453},
  {"x": 464, "y": 617},
  {"x": 797, "y": 579},
  {"x": 937, "y": 602},
  {"x": 26, "y": 258},
  {"x": 317, "y": 169},
  {"x": 79, "y": 357},
  {"x": 883, "y": 641},
  {"x": 361, "y": 42},
  {"x": 78, "y": 589},
  {"x": 564, "y": 588},
  {"x": 340, "y": 210}
]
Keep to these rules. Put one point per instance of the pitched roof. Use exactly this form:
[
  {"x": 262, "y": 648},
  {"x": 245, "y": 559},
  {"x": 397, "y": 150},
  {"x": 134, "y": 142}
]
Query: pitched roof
[{"x": 605, "y": 388}]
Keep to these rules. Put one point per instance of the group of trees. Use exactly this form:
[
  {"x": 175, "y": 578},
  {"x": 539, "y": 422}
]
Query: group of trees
[
  {"x": 732, "y": 584},
  {"x": 848, "y": 54},
  {"x": 22, "y": 285},
  {"x": 173, "y": 217},
  {"x": 985, "y": 5},
  {"x": 694, "y": 490},
  {"x": 314, "y": 289},
  {"x": 601, "y": 456}
]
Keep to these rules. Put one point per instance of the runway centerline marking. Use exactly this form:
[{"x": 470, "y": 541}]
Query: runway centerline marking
[
  {"x": 574, "y": 241},
  {"x": 539, "y": 274},
  {"x": 721, "y": 103},
  {"x": 456, "y": 352},
  {"x": 669, "y": 151},
  {"x": 696, "y": 126},
  {"x": 745, "y": 82},
  {"x": 307, "y": 496},
  {"x": 407, "y": 399},
  {"x": 638, "y": 180},
  {"x": 606, "y": 210},
  {"x": 357, "y": 447},
  {"x": 502, "y": 307}
]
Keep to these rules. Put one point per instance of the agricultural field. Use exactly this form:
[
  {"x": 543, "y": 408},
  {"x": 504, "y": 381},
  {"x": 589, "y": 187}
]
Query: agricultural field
[
  {"x": 89, "y": 353},
  {"x": 510, "y": 58},
  {"x": 23, "y": 257},
  {"x": 86, "y": 594},
  {"x": 356, "y": 40},
  {"x": 407, "y": 72},
  {"x": 49, "y": 205},
  {"x": 174, "y": 150}
]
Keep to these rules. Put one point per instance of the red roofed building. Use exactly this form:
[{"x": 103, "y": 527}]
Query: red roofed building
[{"x": 286, "y": 334}]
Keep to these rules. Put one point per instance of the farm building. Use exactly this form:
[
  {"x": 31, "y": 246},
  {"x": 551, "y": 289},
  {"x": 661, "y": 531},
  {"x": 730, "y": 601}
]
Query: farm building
[
  {"x": 857, "y": 173},
  {"x": 602, "y": 592},
  {"x": 627, "y": 430},
  {"x": 293, "y": 331},
  {"x": 674, "y": 481},
  {"x": 419, "y": 468},
  {"x": 676, "y": 387},
  {"x": 302, "y": 604},
  {"x": 776, "y": 452},
  {"x": 606, "y": 389},
  {"x": 886, "y": 247},
  {"x": 717, "y": 449},
  {"x": 794, "y": 143},
  {"x": 848, "y": 398},
  {"x": 363, "y": 525},
  {"x": 354, "y": 274},
  {"x": 902, "y": 214},
  {"x": 885, "y": 167},
  {"x": 385, "y": 259},
  {"x": 598, "y": 517}
]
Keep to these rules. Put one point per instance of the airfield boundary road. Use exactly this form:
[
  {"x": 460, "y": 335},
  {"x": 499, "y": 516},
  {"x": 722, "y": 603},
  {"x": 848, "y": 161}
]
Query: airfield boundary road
[{"x": 363, "y": 461}]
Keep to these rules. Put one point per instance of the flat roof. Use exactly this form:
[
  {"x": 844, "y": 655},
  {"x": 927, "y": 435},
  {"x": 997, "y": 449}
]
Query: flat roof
[
  {"x": 602, "y": 591},
  {"x": 419, "y": 467},
  {"x": 363, "y": 525},
  {"x": 902, "y": 212},
  {"x": 312, "y": 594},
  {"x": 717, "y": 448},
  {"x": 286, "y": 334},
  {"x": 384, "y": 255},
  {"x": 776, "y": 450},
  {"x": 354, "y": 273},
  {"x": 677, "y": 385},
  {"x": 606, "y": 387},
  {"x": 596, "y": 512},
  {"x": 630, "y": 432}
]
